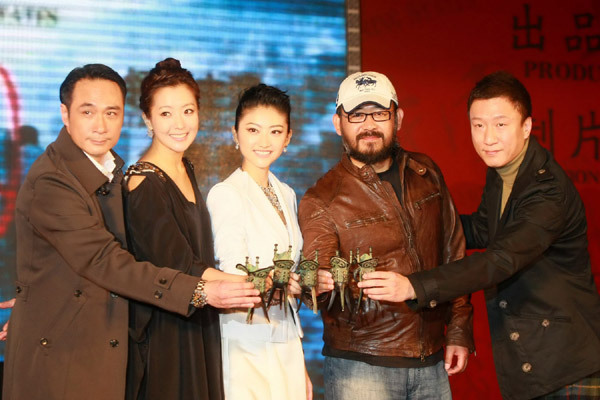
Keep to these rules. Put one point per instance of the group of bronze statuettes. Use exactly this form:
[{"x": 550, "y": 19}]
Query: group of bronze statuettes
[{"x": 307, "y": 270}]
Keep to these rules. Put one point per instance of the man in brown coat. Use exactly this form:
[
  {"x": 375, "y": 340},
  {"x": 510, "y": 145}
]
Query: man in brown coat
[{"x": 68, "y": 333}]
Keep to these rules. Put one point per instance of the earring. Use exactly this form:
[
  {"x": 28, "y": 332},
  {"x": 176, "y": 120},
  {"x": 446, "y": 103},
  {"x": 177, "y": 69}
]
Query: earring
[
  {"x": 285, "y": 149},
  {"x": 150, "y": 132},
  {"x": 237, "y": 146}
]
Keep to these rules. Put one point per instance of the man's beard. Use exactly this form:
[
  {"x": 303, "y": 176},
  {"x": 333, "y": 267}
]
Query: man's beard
[{"x": 371, "y": 156}]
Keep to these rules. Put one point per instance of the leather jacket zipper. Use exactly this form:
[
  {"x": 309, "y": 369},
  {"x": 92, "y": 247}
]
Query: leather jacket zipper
[
  {"x": 421, "y": 344},
  {"x": 405, "y": 226},
  {"x": 413, "y": 255}
]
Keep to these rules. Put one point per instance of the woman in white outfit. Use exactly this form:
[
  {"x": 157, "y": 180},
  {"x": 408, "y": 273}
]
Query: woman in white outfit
[{"x": 251, "y": 211}]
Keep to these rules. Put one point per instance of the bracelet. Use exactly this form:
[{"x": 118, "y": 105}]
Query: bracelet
[{"x": 199, "y": 298}]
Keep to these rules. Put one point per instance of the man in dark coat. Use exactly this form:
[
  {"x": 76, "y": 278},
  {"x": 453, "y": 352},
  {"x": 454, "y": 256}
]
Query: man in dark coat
[
  {"x": 543, "y": 306},
  {"x": 67, "y": 338}
]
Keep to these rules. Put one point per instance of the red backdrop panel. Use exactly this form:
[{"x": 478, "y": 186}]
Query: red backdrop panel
[{"x": 435, "y": 51}]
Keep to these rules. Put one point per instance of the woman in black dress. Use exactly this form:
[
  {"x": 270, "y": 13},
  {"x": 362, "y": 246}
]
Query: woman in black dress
[{"x": 170, "y": 356}]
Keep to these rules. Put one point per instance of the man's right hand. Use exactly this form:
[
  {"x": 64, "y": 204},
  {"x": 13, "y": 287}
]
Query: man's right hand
[
  {"x": 324, "y": 281},
  {"x": 226, "y": 294},
  {"x": 387, "y": 286}
]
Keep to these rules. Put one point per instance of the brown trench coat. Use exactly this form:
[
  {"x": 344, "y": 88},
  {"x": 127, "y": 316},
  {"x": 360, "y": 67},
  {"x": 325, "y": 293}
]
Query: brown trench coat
[{"x": 67, "y": 337}]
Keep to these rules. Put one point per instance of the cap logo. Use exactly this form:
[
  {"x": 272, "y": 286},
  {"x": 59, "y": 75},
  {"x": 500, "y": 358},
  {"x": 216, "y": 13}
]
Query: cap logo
[
  {"x": 365, "y": 83},
  {"x": 365, "y": 87}
]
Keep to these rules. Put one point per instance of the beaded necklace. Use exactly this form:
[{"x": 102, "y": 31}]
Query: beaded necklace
[{"x": 269, "y": 191}]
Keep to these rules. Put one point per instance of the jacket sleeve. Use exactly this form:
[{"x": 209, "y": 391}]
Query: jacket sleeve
[
  {"x": 226, "y": 209},
  {"x": 537, "y": 221},
  {"x": 319, "y": 233},
  {"x": 459, "y": 329},
  {"x": 153, "y": 231},
  {"x": 60, "y": 213}
]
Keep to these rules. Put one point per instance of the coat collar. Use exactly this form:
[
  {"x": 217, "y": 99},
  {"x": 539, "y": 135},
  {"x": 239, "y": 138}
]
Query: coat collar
[
  {"x": 533, "y": 168},
  {"x": 80, "y": 165},
  {"x": 368, "y": 174}
]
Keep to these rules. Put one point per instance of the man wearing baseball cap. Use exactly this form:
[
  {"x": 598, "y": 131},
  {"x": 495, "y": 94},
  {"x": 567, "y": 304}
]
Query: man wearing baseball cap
[{"x": 383, "y": 207}]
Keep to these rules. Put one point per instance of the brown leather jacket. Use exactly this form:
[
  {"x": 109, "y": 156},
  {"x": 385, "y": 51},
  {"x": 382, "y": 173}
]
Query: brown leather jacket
[{"x": 352, "y": 208}]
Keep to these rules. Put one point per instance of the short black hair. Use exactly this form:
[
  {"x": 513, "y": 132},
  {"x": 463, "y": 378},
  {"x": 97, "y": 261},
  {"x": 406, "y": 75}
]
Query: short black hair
[
  {"x": 502, "y": 84},
  {"x": 263, "y": 95},
  {"x": 89, "y": 71}
]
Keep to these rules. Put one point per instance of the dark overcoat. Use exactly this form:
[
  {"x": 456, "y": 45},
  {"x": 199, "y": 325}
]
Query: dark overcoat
[
  {"x": 67, "y": 336},
  {"x": 543, "y": 306}
]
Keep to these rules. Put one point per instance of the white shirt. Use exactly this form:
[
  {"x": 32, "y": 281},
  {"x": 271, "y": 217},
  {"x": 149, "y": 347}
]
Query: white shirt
[{"x": 108, "y": 164}]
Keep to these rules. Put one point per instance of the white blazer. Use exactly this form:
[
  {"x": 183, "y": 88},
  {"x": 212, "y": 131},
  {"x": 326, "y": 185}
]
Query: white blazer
[{"x": 245, "y": 223}]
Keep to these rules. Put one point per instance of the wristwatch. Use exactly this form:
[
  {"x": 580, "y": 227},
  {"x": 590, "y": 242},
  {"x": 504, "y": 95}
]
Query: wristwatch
[{"x": 199, "y": 298}]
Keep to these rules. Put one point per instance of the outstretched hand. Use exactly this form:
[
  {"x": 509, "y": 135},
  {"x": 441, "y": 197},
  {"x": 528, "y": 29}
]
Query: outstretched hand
[
  {"x": 387, "y": 286},
  {"x": 228, "y": 294}
]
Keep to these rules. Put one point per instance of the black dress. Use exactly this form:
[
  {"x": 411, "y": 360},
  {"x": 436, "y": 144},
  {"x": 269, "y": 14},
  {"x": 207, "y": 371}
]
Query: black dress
[{"x": 171, "y": 356}]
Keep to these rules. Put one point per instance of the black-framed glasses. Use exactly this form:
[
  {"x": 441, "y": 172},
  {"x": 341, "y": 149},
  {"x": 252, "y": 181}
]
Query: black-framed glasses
[{"x": 378, "y": 116}]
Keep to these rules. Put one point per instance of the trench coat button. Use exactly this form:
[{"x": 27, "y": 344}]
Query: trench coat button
[
  {"x": 526, "y": 367},
  {"x": 541, "y": 171},
  {"x": 162, "y": 281},
  {"x": 158, "y": 294},
  {"x": 77, "y": 293},
  {"x": 113, "y": 342},
  {"x": 44, "y": 342},
  {"x": 502, "y": 304},
  {"x": 432, "y": 303},
  {"x": 514, "y": 336},
  {"x": 113, "y": 295},
  {"x": 19, "y": 289},
  {"x": 545, "y": 323}
]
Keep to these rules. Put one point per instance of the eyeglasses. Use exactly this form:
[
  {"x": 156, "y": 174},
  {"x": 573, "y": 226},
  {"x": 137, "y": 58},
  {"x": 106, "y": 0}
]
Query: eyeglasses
[{"x": 378, "y": 116}]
